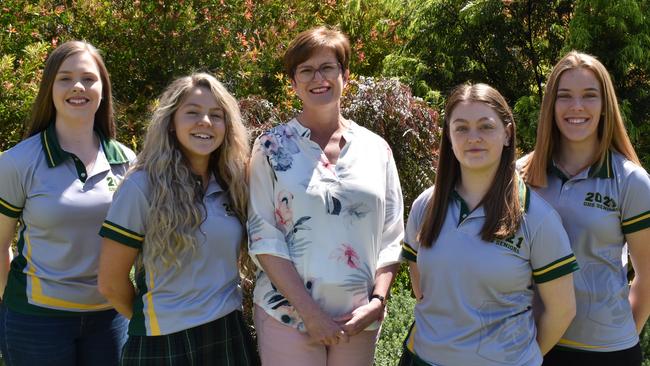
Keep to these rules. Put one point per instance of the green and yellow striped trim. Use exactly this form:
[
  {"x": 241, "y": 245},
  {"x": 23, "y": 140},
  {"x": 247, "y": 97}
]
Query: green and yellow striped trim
[
  {"x": 48, "y": 150},
  {"x": 112, "y": 150},
  {"x": 410, "y": 339},
  {"x": 55, "y": 155},
  {"x": 38, "y": 295},
  {"x": 573, "y": 344},
  {"x": 636, "y": 223},
  {"x": 409, "y": 349},
  {"x": 603, "y": 171},
  {"x": 10, "y": 210},
  {"x": 558, "y": 268},
  {"x": 137, "y": 325},
  {"x": 409, "y": 253},
  {"x": 154, "y": 327},
  {"x": 121, "y": 234}
]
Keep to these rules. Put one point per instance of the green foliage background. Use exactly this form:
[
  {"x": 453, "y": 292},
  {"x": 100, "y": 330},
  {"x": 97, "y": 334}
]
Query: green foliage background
[{"x": 429, "y": 45}]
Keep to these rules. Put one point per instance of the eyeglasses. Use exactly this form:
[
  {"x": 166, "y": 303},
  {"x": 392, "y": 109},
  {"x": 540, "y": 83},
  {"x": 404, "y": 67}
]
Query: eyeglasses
[{"x": 327, "y": 71}]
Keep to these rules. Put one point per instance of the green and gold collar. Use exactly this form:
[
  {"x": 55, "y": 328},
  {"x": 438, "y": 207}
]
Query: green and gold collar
[{"x": 55, "y": 155}]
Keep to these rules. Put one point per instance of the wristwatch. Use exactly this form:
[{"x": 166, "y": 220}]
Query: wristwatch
[{"x": 381, "y": 299}]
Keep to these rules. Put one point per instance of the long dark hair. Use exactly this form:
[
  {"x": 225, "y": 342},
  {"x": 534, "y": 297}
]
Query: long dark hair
[
  {"x": 43, "y": 110},
  {"x": 501, "y": 203}
]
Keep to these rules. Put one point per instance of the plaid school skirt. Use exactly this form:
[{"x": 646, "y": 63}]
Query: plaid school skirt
[{"x": 223, "y": 342}]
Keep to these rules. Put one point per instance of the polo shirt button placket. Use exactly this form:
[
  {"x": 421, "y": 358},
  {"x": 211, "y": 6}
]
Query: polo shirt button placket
[{"x": 564, "y": 192}]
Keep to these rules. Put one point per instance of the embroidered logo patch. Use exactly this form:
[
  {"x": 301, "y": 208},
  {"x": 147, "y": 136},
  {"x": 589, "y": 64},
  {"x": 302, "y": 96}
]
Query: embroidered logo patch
[{"x": 513, "y": 243}]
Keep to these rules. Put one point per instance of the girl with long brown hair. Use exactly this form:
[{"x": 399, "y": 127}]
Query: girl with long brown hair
[
  {"x": 478, "y": 243},
  {"x": 58, "y": 183}
]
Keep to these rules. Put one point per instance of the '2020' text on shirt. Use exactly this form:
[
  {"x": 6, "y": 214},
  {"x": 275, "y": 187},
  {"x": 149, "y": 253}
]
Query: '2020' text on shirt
[{"x": 599, "y": 206}]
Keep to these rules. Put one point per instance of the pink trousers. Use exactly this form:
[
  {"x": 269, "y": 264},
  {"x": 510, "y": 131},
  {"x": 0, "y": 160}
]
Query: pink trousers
[{"x": 280, "y": 345}]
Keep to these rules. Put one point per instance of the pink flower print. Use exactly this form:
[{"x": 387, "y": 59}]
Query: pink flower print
[
  {"x": 279, "y": 144},
  {"x": 283, "y": 211},
  {"x": 346, "y": 254},
  {"x": 269, "y": 144}
]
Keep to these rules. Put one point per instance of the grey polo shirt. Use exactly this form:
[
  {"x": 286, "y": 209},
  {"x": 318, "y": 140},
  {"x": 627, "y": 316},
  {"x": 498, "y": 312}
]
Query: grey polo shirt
[
  {"x": 478, "y": 296},
  {"x": 60, "y": 207},
  {"x": 205, "y": 287},
  {"x": 598, "y": 207}
]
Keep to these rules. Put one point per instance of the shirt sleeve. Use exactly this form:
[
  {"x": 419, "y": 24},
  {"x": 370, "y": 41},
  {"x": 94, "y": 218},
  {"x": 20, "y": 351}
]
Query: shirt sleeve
[
  {"x": 125, "y": 221},
  {"x": 635, "y": 202},
  {"x": 263, "y": 236},
  {"x": 411, "y": 245},
  {"x": 12, "y": 191},
  {"x": 551, "y": 256},
  {"x": 393, "y": 230}
]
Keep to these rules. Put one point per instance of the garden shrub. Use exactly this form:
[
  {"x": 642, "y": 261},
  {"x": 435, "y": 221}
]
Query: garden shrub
[
  {"x": 388, "y": 108},
  {"x": 430, "y": 45}
]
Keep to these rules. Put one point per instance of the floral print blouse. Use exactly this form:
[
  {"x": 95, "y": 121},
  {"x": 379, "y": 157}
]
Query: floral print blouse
[{"x": 337, "y": 223}]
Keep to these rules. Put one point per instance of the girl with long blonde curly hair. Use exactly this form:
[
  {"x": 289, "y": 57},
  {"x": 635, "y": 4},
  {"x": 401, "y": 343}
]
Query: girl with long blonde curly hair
[{"x": 179, "y": 214}]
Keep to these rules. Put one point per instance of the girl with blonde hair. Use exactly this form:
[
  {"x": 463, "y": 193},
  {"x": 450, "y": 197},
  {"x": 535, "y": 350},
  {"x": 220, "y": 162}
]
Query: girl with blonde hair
[
  {"x": 179, "y": 214},
  {"x": 585, "y": 166}
]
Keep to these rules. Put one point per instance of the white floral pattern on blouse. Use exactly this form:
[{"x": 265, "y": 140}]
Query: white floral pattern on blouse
[{"x": 337, "y": 223}]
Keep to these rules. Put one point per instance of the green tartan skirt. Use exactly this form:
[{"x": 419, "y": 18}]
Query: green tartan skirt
[{"x": 223, "y": 342}]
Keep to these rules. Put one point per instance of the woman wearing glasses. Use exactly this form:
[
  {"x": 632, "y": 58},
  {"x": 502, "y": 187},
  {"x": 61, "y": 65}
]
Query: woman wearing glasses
[{"x": 325, "y": 219}]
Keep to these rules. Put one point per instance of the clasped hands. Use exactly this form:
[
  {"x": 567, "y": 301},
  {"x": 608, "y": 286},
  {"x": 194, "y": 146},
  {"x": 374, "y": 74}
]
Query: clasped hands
[{"x": 329, "y": 331}]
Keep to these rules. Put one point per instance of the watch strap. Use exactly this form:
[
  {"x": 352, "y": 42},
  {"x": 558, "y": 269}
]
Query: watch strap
[{"x": 379, "y": 297}]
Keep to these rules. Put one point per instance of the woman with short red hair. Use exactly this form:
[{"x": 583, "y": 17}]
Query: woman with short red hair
[{"x": 325, "y": 219}]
